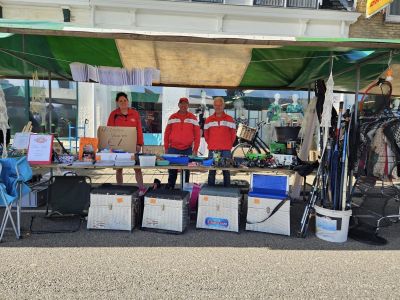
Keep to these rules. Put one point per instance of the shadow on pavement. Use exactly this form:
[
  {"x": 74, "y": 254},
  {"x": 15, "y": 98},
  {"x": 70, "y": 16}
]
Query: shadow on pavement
[{"x": 192, "y": 237}]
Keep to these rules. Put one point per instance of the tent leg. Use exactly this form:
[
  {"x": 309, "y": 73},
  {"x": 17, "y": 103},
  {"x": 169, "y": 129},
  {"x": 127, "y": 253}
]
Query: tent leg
[{"x": 50, "y": 105}]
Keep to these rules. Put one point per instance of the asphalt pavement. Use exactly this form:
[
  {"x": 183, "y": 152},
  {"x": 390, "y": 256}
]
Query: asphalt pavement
[{"x": 199, "y": 264}]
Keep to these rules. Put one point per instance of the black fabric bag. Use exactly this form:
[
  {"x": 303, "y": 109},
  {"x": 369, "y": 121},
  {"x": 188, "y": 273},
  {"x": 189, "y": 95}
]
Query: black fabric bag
[{"x": 69, "y": 195}]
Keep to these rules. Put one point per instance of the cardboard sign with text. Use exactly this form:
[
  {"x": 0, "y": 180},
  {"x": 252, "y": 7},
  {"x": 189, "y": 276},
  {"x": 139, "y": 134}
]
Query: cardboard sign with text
[{"x": 117, "y": 138}]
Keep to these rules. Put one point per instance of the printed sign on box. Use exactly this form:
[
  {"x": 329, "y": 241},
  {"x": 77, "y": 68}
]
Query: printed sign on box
[{"x": 121, "y": 138}]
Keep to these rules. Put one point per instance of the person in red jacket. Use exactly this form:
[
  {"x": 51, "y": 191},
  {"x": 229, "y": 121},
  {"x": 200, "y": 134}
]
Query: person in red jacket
[
  {"x": 220, "y": 134},
  {"x": 182, "y": 136},
  {"x": 125, "y": 116}
]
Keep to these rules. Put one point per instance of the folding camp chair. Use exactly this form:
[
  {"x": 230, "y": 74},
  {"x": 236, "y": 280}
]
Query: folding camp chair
[
  {"x": 67, "y": 205},
  {"x": 14, "y": 173}
]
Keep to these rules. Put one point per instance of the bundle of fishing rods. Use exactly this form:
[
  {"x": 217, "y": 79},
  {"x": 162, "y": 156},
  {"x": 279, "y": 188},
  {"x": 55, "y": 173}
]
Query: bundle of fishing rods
[{"x": 330, "y": 186}]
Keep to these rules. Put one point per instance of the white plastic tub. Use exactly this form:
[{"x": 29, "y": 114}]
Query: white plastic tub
[
  {"x": 332, "y": 225},
  {"x": 147, "y": 160}
]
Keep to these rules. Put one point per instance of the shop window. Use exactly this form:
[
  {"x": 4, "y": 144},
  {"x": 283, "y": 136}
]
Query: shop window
[
  {"x": 63, "y": 108},
  {"x": 150, "y": 111},
  {"x": 393, "y": 12},
  {"x": 17, "y": 103}
]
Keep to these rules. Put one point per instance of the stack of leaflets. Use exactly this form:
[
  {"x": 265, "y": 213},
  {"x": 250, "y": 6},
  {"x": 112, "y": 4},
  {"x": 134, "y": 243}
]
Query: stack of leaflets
[
  {"x": 105, "y": 163},
  {"x": 124, "y": 163},
  {"x": 79, "y": 163},
  {"x": 114, "y": 75}
]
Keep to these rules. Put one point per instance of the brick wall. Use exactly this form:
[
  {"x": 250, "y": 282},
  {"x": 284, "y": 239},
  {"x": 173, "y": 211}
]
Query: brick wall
[{"x": 374, "y": 27}]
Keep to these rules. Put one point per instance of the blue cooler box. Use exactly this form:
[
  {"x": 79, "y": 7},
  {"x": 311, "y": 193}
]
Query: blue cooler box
[{"x": 267, "y": 192}]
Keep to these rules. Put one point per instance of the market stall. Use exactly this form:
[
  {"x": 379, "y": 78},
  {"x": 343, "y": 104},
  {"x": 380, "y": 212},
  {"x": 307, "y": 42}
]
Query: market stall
[{"x": 221, "y": 60}]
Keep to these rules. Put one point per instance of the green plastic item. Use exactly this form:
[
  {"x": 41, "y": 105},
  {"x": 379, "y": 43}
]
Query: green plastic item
[
  {"x": 162, "y": 163},
  {"x": 277, "y": 148},
  {"x": 256, "y": 156}
]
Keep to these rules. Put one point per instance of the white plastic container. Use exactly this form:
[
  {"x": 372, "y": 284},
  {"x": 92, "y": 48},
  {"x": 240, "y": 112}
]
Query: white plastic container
[
  {"x": 332, "y": 225},
  {"x": 115, "y": 212},
  {"x": 166, "y": 210},
  {"x": 113, "y": 207},
  {"x": 218, "y": 208},
  {"x": 260, "y": 208},
  {"x": 147, "y": 160}
]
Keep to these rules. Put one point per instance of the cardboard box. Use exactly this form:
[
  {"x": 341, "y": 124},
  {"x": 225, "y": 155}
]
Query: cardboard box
[
  {"x": 123, "y": 138},
  {"x": 260, "y": 208},
  {"x": 156, "y": 150}
]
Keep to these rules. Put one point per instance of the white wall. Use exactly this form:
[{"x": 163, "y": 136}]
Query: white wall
[
  {"x": 170, "y": 97},
  {"x": 85, "y": 107},
  {"x": 178, "y": 16}
]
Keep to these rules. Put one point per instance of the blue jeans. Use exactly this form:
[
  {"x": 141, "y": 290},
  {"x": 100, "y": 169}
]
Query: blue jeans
[
  {"x": 173, "y": 174},
  {"x": 212, "y": 173}
]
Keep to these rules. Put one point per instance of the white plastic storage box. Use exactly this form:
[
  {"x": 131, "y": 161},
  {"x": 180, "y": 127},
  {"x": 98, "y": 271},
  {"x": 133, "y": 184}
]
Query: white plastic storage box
[
  {"x": 259, "y": 215},
  {"x": 105, "y": 156},
  {"x": 35, "y": 198},
  {"x": 166, "y": 210},
  {"x": 284, "y": 160},
  {"x": 218, "y": 208},
  {"x": 147, "y": 160},
  {"x": 267, "y": 192},
  {"x": 113, "y": 207}
]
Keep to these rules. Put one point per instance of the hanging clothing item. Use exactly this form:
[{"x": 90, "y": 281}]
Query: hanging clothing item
[
  {"x": 381, "y": 159},
  {"x": 365, "y": 137},
  {"x": 3, "y": 122},
  {"x": 182, "y": 132},
  {"x": 392, "y": 132}
]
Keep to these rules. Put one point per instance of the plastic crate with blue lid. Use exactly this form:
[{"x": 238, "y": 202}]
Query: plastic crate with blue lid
[
  {"x": 176, "y": 159},
  {"x": 269, "y": 186}
]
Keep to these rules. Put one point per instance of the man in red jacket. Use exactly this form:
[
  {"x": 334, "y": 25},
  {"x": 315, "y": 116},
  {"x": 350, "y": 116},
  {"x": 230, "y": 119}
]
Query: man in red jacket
[
  {"x": 182, "y": 136},
  {"x": 220, "y": 134}
]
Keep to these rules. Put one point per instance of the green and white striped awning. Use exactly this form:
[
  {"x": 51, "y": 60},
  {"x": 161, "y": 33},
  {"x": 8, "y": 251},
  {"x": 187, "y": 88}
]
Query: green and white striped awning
[{"x": 196, "y": 60}]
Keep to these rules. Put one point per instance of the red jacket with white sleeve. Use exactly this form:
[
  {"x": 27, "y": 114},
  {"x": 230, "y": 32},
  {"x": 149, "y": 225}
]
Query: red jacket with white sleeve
[
  {"x": 182, "y": 132},
  {"x": 220, "y": 132},
  {"x": 132, "y": 119}
]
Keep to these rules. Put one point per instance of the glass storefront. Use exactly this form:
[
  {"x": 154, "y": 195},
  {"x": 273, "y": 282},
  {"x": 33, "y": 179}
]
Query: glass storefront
[{"x": 28, "y": 101}]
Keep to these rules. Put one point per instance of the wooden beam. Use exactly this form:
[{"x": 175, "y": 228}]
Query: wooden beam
[{"x": 204, "y": 40}]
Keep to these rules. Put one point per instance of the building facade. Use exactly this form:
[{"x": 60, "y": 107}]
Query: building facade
[{"x": 384, "y": 24}]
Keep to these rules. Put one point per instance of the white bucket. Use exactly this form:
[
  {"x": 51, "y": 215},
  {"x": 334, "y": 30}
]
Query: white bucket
[{"x": 332, "y": 225}]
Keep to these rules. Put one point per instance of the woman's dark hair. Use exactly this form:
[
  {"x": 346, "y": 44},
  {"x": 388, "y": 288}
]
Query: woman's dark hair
[{"x": 120, "y": 94}]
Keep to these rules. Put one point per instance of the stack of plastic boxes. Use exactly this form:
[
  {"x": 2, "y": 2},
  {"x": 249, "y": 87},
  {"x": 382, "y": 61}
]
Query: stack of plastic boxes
[
  {"x": 166, "y": 210},
  {"x": 113, "y": 207},
  {"x": 218, "y": 208},
  {"x": 267, "y": 192}
]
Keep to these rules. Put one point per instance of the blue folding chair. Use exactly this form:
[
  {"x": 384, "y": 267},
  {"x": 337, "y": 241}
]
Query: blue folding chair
[{"x": 13, "y": 175}]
